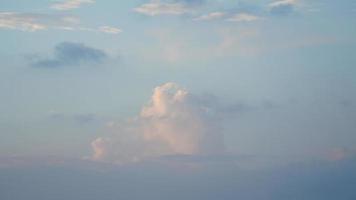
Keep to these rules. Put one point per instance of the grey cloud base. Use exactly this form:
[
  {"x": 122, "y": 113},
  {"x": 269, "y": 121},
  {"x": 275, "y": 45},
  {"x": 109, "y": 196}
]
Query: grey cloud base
[{"x": 69, "y": 53}]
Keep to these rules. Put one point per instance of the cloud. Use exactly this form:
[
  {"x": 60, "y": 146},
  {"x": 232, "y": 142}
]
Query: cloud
[
  {"x": 240, "y": 12},
  {"x": 100, "y": 29},
  {"x": 210, "y": 16},
  {"x": 157, "y": 7},
  {"x": 68, "y": 53},
  {"x": 70, "y": 4},
  {"x": 174, "y": 122},
  {"x": 9, "y": 20},
  {"x": 191, "y": 3},
  {"x": 109, "y": 29},
  {"x": 282, "y": 7},
  {"x": 243, "y": 17},
  {"x": 32, "y": 22}
]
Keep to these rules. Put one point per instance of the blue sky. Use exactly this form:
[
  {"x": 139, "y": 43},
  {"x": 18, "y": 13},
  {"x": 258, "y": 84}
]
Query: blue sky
[{"x": 130, "y": 82}]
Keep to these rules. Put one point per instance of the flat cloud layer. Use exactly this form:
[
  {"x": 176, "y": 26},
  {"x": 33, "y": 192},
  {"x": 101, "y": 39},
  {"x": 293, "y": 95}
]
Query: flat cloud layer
[
  {"x": 66, "y": 180},
  {"x": 174, "y": 122}
]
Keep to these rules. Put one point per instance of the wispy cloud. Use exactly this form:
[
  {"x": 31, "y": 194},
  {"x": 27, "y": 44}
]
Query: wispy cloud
[
  {"x": 100, "y": 29},
  {"x": 282, "y": 7},
  {"x": 210, "y": 16},
  {"x": 191, "y": 2},
  {"x": 68, "y": 53},
  {"x": 70, "y": 4},
  {"x": 109, "y": 29},
  {"x": 157, "y": 7},
  {"x": 282, "y": 3},
  {"x": 31, "y": 22},
  {"x": 243, "y": 17}
]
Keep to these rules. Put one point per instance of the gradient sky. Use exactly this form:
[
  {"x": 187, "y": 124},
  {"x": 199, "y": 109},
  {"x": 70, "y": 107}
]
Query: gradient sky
[{"x": 125, "y": 81}]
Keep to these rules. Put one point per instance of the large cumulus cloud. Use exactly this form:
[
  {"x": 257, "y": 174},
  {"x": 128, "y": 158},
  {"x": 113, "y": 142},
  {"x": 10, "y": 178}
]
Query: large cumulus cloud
[{"x": 173, "y": 122}]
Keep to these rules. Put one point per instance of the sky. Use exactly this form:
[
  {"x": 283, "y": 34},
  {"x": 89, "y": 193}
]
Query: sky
[{"x": 194, "y": 99}]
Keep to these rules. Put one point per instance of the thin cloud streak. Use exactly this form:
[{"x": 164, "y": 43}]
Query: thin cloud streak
[
  {"x": 155, "y": 8},
  {"x": 282, "y": 7},
  {"x": 109, "y": 29},
  {"x": 32, "y": 22},
  {"x": 70, "y": 4},
  {"x": 243, "y": 17},
  {"x": 210, "y": 16}
]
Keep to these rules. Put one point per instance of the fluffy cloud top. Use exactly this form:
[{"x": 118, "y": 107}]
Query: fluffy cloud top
[
  {"x": 68, "y": 53},
  {"x": 70, "y": 4},
  {"x": 174, "y": 122}
]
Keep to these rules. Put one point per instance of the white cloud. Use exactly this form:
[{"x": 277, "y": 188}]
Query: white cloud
[
  {"x": 70, "y": 4},
  {"x": 23, "y": 22},
  {"x": 35, "y": 22},
  {"x": 282, "y": 7},
  {"x": 109, "y": 29},
  {"x": 243, "y": 17},
  {"x": 282, "y": 3},
  {"x": 210, "y": 16},
  {"x": 160, "y": 8},
  {"x": 173, "y": 122},
  {"x": 32, "y": 22}
]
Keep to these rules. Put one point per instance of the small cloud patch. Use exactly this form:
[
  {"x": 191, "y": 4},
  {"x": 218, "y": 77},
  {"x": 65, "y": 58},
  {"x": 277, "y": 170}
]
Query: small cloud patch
[
  {"x": 70, "y": 4},
  {"x": 68, "y": 54},
  {"x": 282, "y": 7},
  {"x": 243, "y": 17},
  {"x": 155, "y": 8}
]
